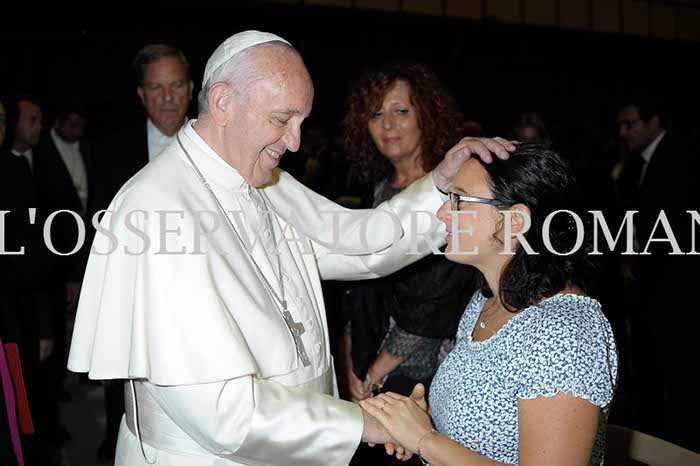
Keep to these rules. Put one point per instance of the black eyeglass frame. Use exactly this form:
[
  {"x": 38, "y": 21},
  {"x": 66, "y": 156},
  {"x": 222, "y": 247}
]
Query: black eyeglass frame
[{"x": 456, "y": 199}]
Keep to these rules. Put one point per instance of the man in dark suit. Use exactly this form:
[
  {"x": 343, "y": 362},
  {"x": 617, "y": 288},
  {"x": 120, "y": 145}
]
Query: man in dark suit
[
  {"x": 25, "y": 279},
  {"x": 10, "y": 330},
  {"x": 25, "y": 305},
  {"x": 658, "y": 180},
  {"x": 65, "y": 181},
  {"x": 63, "y": 177},
  {"x": 165, "y": 90},
  {"x": 24, "y": 125}
]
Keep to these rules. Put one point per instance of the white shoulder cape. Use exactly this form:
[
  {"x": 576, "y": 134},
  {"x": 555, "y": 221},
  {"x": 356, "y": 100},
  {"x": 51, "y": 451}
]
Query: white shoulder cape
[{"x": 177, "y": 319}]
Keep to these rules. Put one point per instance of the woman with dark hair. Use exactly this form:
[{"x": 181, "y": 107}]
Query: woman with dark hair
[
  {"x": 533, "y": 373},
  {"x": 400, "y": 122}
]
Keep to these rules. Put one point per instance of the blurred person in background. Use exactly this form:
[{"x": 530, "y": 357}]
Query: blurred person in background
[
  {"x": 657, "y": 178},
  {"x": 400, "y": 122},
  {"x": 530, "y": 127}
]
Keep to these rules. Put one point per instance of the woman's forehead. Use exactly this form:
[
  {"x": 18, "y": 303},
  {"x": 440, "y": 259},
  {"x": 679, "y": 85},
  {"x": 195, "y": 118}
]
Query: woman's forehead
[{"x": 472, "y": 178}]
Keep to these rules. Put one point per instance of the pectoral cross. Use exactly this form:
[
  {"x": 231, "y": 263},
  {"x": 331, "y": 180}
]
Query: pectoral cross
[{"x": 297, "y": 329}]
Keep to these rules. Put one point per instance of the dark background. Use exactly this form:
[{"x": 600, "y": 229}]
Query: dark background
[{"x": 575, "y": 79}]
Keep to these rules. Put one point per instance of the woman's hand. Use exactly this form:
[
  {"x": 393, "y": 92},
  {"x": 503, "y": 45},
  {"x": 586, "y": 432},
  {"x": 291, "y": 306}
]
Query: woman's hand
[
  {"x": 356, "y": 387},
  {"x": 347, "y": 378},
  {"x": 417, "y": 395},
  {"x": 401, "y": 416},
  {"x": 444, "y": 174}
]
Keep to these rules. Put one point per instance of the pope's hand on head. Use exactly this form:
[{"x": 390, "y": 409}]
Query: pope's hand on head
[{"x": 484, "y": 148}]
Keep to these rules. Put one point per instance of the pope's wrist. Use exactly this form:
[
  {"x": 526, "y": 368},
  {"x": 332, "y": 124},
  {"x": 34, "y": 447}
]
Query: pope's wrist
[{"x": 439, "y": 182}]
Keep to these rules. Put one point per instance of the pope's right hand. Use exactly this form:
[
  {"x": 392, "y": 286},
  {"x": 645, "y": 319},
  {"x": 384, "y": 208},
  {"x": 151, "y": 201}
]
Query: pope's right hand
[
  {"x": 445, "y": 172},
  {"x": 373, "y": 432}
]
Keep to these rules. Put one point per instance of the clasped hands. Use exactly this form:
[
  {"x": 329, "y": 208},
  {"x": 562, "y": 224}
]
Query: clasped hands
[{"x": 397, "y": 421}]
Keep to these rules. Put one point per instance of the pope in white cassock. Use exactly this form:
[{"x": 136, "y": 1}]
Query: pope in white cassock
[{"x": 203, "y": 287}]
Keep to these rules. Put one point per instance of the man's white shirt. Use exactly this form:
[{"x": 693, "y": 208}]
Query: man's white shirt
[
  {"x": 73, "y": 160},
  {"x": 157, "y": 141}
]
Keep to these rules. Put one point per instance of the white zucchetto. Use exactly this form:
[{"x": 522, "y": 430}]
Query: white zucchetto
[{"x": 234, "y": 45}]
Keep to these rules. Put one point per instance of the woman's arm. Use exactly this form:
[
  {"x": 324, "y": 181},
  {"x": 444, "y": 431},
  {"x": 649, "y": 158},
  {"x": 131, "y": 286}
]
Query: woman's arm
[
  {"x": 557, "y": 430},
  {"x": 553, "y": 431},
  {"x": 439, "y": 450},
  {"x": 410, "y": 425},
  {"x": 383, "y": 365},
  {"x": 399, "y": 345}
]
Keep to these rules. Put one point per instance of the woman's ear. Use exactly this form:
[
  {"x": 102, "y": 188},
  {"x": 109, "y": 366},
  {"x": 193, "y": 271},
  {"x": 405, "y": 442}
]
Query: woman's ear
[
  {"x": 519, "y": 220},
  {"x": 220, "y": 103}
]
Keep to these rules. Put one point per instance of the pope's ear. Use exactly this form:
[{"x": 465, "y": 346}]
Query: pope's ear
[
  {"x": 519, "y": 219},
  {"x": 220, "y": 103}
]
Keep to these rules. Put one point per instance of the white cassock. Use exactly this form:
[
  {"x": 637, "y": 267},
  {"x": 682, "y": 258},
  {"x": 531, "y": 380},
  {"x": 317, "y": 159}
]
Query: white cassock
[{"x": 179, "y": 308}]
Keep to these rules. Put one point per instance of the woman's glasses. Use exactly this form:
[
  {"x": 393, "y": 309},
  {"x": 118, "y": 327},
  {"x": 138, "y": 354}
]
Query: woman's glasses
[{"x": 457, "y": 199}]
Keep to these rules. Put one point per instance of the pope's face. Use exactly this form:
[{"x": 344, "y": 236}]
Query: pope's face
[
  {"x": 166, "y": 93},
  {"x": 266, "y": 121}
]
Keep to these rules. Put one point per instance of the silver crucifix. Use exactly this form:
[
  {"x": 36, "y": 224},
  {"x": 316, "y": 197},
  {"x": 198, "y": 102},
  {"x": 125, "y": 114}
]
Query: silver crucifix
[{"x": 297, "y": 329}]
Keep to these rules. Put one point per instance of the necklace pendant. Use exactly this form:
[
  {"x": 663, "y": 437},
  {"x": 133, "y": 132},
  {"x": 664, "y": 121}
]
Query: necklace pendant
[{"x": 482, "y": 324}]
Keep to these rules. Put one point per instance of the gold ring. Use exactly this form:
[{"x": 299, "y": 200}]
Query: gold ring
[{"x": 383, "y": 406}]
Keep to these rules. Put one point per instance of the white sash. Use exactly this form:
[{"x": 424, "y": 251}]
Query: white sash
[{"x": 157, "y": 430}]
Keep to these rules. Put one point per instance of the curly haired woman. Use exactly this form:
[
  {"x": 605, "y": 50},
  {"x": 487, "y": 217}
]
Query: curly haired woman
[{"x": 400, "y": 121}]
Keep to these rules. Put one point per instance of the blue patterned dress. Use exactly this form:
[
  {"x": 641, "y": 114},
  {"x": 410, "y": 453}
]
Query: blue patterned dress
[{"x": 563, "y": 344}]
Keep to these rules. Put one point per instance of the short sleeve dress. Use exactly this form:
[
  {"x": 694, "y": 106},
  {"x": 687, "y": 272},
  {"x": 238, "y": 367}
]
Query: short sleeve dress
[{"x": 563, "y": 344}]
